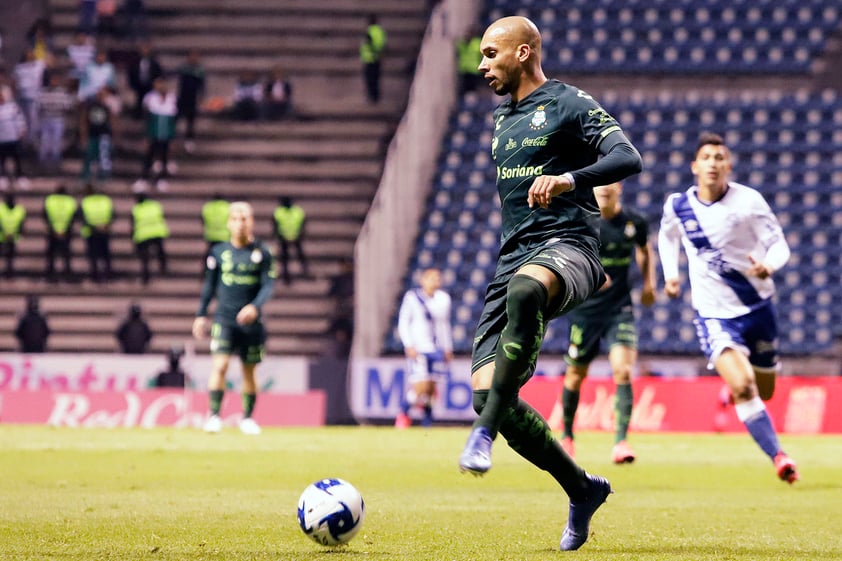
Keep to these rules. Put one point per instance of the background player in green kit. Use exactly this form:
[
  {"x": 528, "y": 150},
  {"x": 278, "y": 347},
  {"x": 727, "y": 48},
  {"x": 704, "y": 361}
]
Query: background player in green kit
[
  {"x": 240, "y": 275},
  {"x": 608, "y": 315},
  {"x": 552, "y": 144}
]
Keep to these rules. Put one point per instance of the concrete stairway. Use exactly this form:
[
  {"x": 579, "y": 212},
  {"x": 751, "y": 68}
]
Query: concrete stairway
[{"x": 328, "y": 158}]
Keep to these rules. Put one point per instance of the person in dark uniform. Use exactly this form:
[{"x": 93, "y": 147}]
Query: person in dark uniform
[
  {"x": 240, "y": 275},
  {"x": 608, "y": 315},
  {"x": 552, "y": 144},
  {"x": 32, "y": 330},
  {"x": 134, "y": 333},
  {"x": 191, "y": 88},
  {"x": 59, "y": 214}
]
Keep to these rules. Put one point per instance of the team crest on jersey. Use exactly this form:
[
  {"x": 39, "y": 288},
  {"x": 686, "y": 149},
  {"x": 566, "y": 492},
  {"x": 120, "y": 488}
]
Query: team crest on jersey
[
  {"x": 539, "y": 119},
  {"x": 511, "y": 144},
  {"x": 630, "y": 231},
  {"x": 256, "y": 256}
]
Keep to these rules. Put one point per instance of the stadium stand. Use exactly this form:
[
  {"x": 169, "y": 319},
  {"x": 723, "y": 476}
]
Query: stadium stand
[
  {"x": 786, "y": 143},
  {"x": 328, "y": 158}
]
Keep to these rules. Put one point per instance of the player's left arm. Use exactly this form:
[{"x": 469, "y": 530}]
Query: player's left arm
[
  {"x": 251, "y": 311},
  {"x": 775, "y": 248}
]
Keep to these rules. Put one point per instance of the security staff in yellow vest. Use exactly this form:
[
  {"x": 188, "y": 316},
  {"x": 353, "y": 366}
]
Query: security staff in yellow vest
[
  {"x": 371, "y": 51},
  {"x": 149, "y": 230},
  {"x": 59, "y": 213},
  {"x": 468, "y": 59},
  {"x": 215, "y": 222},
  {"x": 12, "y": 215},
  {"x": 97, "y": 214},
  {"x": 289, "y": 222}
]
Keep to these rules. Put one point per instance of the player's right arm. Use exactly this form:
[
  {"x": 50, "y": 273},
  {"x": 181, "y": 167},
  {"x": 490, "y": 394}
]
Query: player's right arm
[
  {"x": 669, "y": 246},
  {"x": 201, "y": 324},
  {"x": 405, "y": 326}
]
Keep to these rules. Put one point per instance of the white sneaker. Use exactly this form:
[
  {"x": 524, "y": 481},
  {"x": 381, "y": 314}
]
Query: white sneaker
[
  {"x": 189, "y": 146},
  {"x": 157, "y": 166},
  {"x": 162, "y": 185},
  {"x": 172, "y": 167},
  {"x": 213, "y": 424},
  {"x": 248, "y": 426},
  {"x": 140, "y": 186}
]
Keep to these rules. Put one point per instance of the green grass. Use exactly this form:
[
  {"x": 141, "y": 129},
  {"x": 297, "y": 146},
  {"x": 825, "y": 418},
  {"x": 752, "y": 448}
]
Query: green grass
[{"x": 92, "y": 494}]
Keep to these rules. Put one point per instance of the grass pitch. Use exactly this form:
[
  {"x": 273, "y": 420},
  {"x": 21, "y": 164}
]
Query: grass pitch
[{"x": 171, "y": 494}]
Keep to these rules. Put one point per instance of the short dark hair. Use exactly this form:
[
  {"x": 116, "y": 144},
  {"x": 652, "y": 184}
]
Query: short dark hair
[{"x": 709, "y": 138}]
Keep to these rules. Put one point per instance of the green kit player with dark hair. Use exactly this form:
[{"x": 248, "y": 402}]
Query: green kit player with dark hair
[
  {"x": 240, "y": 275},
  {"x": 552, "y": 144},
  {"x": 608, "y": 315}
]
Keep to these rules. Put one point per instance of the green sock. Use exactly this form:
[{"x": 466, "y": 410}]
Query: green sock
[
  {"x": 517, "y": 349},
  {"x": 529, "y": 435},
  {"x": 216, "y": 401},
  {"x": 249, "y": 399},
  {"x": 622, "y": 411},
  {"x": 569, "y": 403}
]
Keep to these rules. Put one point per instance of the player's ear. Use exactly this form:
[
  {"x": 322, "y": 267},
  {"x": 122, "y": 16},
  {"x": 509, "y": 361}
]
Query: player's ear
[{"x": 523, "y": 52}]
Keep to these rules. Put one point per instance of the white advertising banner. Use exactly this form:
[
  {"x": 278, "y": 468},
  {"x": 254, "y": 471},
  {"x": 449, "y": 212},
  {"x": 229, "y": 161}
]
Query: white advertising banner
[
  {"x": 120, "y": 372},
  {"x": 377, "y": 386}
]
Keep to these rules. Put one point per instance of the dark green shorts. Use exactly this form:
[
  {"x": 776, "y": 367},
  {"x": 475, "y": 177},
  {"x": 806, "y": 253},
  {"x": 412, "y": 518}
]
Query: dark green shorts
[
  {"x": 247, "y": 341},
  {"x": 586, "y": 332},
  {"x": 578, "y": 268}
]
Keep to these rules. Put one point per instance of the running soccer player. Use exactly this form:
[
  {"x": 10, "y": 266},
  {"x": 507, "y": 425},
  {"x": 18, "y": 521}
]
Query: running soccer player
[
  {"x": 734, "y": 243},
  {"x": 608, "y": 315},
  {"x": 553, "y": 143},
  {"x": 240, "y": 275}
]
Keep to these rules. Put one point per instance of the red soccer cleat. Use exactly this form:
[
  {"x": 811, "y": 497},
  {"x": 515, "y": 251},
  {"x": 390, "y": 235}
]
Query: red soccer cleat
[
  {"x": 402, "y": 421},
  {"x": 785, "y": 467},
  {"x": 622, "y": 453}
]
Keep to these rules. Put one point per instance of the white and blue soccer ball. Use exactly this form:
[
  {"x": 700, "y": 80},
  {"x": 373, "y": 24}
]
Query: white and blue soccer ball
[{"x": 331, "y": 511}]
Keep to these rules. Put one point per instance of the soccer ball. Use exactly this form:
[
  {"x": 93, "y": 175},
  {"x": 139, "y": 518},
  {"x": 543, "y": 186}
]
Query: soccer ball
[{"x": 331, "y": 511}]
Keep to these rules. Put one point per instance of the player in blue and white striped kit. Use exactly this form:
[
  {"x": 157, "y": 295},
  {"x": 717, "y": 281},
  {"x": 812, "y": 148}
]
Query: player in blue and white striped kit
[{"x": 734, "y": 243}]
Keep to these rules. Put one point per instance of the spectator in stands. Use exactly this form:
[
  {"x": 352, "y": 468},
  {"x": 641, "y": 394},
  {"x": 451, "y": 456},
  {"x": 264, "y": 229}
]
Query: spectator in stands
[
  {"x": 95, "y": 136},
  {"x": 12, "y": 130},
  {"x": 238, "y": 322},
  {"x": 29, "y": 75},
  {"x": 174, "y": 376},
  {"x": 191, "y": 89},
  {"x": 87, "y": 17},
  {"x": 215, "y": 221},
  {"x": 340, "y": 337},
  {"x": 134, "y": 13},
  {"x": 97, "y": 216},
  {"x": 149, "y": 230},
  {"x": 81, "y": 53},
  {"x": 106, "y": 13},
  {"x": 161, "y": 111},
  {"x": 12, "y": 215},
  {"x": 59, "y": 214},
  {"x": 468, "y": 58},
  {"x": 142, "y": 73},
  {"x": 277, "y": 95},
  {"x": 426, "y": 334},
  {"x": 734, "y": 244},
  {"x": 608, "y": 316},
  {"x": 289, "y": 221},
  {"x": 40, "y": 39},
  {"x": 98, "y": 74},
  {"x": 33, "y": 329},
  {"x": 54, "y": 104},
  {"x": 134, "y": 333},
  {"x": 248, "y": 95},
  {"x": 371, "y": 52},
  {"x": 341, "y": 290},
  {"x": 548, "y": 262}
]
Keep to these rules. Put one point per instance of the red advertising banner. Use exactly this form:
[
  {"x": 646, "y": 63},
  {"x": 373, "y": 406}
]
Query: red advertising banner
[
  {"x": 800, "y": 405},
  {"x": 154, "y": 408}
]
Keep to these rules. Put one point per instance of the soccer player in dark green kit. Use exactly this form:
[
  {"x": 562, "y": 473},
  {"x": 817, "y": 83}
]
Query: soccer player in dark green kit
[
  {"x": 609, "y": 315},
  {"x": 552, "y": 144},
  {"x": 240, "y": 275}
]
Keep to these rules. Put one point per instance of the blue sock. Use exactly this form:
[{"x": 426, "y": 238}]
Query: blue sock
[{"x": 754, "y": 416}]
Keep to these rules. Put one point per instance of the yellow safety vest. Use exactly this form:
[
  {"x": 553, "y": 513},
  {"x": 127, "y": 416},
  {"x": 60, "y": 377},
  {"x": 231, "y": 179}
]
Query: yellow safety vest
[
  {"x": 11, "y": 220},
  {"x": 60, "y": 210},
  {"x": 372, "y": 47},
  {"x": 215, "y": 219},
  {"x": 149, "y": 222},
  {"x": 97, "y": 210},
  {"x": 290, "y": 221}
]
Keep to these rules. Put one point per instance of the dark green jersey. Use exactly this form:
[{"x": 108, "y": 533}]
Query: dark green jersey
[
  {"x": 556, "y": 129},
  {"x": 236, "y": 277},
  {"x": 619, "y": 237}
]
